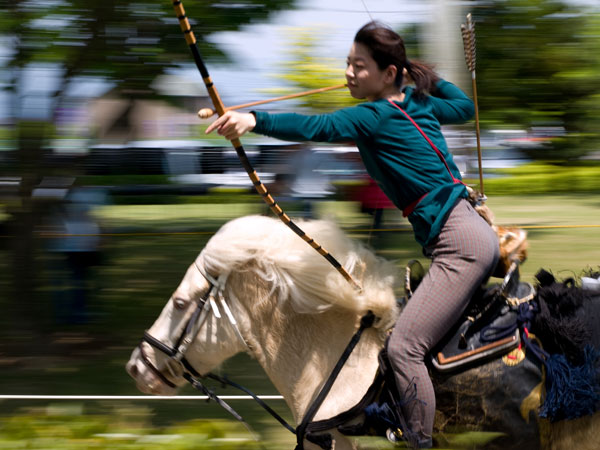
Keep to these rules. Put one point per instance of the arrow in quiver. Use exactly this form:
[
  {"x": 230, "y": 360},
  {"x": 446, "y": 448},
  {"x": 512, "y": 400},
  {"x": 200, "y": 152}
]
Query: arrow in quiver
[{"x": 468, "y": 35}]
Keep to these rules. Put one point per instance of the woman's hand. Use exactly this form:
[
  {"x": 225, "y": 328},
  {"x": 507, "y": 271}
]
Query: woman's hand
[{"x": 232, "y": 124}]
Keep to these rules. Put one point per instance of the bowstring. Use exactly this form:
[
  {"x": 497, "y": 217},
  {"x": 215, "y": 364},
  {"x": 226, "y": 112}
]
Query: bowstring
[{"x": 367, "y": 10}]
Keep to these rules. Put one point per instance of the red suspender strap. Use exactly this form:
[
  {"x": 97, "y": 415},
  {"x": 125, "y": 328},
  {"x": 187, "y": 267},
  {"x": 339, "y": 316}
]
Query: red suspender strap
[
  {"x": 410, "y": 208},
  {"x": 407, "y": 211}
]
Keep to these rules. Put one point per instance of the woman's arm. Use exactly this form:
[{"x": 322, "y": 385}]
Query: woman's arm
[
  {"x": 349, "y": 124},
  {"x": 450, "y": 104}
]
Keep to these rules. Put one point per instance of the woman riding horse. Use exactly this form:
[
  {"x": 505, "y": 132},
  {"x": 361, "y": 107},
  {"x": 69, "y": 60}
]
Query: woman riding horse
[{"x": 416, "y": 171}]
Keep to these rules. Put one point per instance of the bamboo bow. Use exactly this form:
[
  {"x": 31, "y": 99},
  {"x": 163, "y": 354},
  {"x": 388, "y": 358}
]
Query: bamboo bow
[{"x": 259, "y": 186}]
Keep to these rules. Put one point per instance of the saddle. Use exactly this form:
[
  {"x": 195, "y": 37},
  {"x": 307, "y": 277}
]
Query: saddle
[
  {"x": 476, "y": 338},
  {"x": 482, "y": 334}
]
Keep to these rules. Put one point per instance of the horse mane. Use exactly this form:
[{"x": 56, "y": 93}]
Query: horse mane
[{"x": 297, "y": 273}]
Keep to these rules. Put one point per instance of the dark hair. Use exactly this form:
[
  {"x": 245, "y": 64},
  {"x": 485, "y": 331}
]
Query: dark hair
[{"x": 387, "y": 48}]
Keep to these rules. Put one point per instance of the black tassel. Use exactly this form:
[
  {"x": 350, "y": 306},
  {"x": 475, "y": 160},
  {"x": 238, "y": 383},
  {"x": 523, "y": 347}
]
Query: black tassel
[{"x": 571, "y": 392}]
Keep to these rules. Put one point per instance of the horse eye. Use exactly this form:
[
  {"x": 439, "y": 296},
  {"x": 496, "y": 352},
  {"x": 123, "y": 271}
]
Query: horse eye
[{"x": 180, "y": 303}]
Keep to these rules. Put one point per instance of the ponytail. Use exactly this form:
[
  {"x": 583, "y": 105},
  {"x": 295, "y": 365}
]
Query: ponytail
[{"x": 422, "y": 75}]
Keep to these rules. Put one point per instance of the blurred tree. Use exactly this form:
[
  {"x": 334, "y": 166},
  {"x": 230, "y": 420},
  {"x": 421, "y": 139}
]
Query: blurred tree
[
  {"x": 537, "y": 66},
  {"x": 304, "y": 70},
  {"x": 126, "y": 43}
]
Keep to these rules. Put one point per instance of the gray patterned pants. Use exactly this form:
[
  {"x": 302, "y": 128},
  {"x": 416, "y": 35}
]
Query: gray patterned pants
[{"x": 463, "y": 256}]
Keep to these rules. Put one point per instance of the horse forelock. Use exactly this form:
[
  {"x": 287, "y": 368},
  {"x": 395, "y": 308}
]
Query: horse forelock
[{"x": 297, "y": 273}]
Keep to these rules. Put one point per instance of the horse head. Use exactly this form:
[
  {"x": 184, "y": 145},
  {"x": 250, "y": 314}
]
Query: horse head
[{"x": 192, "y": 333}]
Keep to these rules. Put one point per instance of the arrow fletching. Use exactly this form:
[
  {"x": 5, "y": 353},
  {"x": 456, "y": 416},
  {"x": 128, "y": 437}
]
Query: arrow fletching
[{"x": 468, "y": 35}]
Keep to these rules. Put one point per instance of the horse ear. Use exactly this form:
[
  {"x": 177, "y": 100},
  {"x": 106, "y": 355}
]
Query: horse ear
[{"x": 545, "y": 278}]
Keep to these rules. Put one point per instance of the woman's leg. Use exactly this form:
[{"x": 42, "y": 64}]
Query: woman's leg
[{"x": 463, "y": 257}]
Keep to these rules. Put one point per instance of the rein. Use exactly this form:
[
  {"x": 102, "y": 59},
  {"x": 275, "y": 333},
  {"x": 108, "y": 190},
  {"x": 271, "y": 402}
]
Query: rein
[
  {"x": 176, "y": 354},
  {"x": 365, "y": 322}
]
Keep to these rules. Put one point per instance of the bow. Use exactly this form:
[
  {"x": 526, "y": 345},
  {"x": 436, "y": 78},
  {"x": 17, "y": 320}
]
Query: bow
[{"x": 239, "y": 149}]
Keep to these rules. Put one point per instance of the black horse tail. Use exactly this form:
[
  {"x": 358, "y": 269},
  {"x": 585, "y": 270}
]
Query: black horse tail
[{"x": 557, "y": 324}]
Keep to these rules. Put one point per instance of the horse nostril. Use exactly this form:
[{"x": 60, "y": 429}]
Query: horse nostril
[{"x": 133, "y": 370}]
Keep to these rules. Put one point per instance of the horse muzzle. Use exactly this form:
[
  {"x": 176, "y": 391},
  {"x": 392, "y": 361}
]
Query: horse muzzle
[{"x": 148, "y": 378}]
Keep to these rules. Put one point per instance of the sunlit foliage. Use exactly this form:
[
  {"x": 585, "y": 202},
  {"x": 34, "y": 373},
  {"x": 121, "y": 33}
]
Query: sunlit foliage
[{"x": 537, "y": 66}]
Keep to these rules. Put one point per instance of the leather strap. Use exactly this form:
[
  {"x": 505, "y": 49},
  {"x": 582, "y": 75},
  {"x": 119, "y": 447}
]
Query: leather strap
[{"x": 411, "y": 207}]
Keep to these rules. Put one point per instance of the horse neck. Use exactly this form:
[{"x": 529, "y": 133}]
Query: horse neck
[{"x": 299, "y": 351}]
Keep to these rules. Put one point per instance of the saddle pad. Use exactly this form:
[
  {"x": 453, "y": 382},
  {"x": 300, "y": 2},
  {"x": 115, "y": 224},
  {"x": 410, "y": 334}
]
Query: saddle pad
[{"x": 464, "y": 346}]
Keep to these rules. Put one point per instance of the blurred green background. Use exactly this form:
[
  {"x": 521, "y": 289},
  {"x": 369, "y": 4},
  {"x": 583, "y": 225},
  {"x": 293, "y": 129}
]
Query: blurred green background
[{"x": 109, "y": 188}]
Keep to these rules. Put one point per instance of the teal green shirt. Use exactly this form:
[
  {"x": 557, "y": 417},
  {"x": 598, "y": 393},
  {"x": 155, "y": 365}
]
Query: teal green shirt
[{"x": 394, "y": 152}]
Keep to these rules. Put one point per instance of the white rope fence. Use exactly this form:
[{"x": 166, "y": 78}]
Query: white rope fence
[{"x": 135, "y": 397}]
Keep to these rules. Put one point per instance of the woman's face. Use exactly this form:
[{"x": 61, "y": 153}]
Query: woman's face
[{"x": 364, "y": 78}]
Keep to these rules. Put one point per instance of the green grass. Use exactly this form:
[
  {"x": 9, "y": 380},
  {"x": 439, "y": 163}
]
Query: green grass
[
  {"x": 563, "y": 229},
  {"x": 550, "y": 179},
  {"x": 66, "y": 427}
]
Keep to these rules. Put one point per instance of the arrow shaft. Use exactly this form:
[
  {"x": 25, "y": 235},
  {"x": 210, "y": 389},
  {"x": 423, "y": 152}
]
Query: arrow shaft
[
  {"x": 477, "y": 132},
  {"x": 207, "y": 112}
]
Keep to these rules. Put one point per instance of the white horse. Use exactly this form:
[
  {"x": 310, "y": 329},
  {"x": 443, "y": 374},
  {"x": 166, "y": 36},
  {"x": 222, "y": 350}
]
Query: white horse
[
  {"x": 295, "y": 313},
  {"x": 291, "y": 310}
]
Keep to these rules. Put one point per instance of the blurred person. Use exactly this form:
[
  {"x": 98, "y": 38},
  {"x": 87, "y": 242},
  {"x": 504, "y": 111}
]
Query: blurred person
[
  {"x": 78, "y": 241},
  {"x": 373, "y": 201},
  {"x": 311, "y": 182},
  {"x": 426, "y": 186}
]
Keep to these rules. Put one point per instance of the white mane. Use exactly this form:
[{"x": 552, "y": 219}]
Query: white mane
[{"x": 297, "y": 272}]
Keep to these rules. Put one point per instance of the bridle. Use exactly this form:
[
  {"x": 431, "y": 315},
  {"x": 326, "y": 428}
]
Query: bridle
[{"x": 176, "y": 353}]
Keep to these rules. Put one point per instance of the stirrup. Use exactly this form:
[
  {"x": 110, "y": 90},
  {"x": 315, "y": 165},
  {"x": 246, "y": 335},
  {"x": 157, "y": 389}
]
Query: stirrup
[{"x": 394, "y": 435}]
